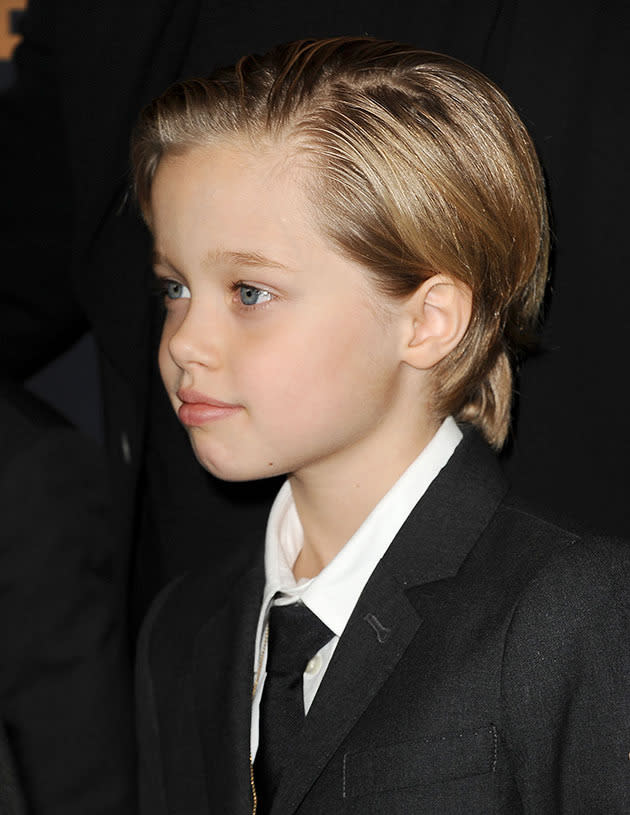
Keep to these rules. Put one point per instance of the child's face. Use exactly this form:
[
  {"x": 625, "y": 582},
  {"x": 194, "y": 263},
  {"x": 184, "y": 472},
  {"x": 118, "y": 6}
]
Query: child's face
[{"x": 278, "y": 354}]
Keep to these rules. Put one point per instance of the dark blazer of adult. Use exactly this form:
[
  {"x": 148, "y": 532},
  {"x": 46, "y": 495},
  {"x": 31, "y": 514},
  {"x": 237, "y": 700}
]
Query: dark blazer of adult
[
  {"x": 484, "y": 669},
  {"x": 74, "y": 254},
  {"x": 11, "y": 798},
  {"x": 64, "y": 677}
]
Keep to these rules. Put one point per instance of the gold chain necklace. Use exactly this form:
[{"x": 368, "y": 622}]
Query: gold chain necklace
[{"x": 263, "y": 651}]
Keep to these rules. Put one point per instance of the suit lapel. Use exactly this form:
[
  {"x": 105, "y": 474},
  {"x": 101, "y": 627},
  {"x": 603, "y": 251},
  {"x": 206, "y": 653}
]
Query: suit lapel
[
  {"x": 378, "y": 633},
  {"x": 431, "y": 546},
  {"x": 224, "y": 660}
]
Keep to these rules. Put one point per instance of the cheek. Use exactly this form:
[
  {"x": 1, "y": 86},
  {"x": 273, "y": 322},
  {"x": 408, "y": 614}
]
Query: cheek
[{"x": 319, "y": 367}]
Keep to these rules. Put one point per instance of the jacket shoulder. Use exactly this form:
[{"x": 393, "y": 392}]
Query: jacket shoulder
[
  {"x": 565, "y": 674},
  {"x": 541, "y": 550},
  {"x": 540, "y": 573}
]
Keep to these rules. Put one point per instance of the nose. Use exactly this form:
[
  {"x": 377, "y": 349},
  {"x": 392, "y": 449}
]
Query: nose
[{"x": 194, "y": 338}]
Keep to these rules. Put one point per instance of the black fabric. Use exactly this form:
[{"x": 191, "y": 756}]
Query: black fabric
[
  {"x": 295, "y": 635},
  {"x": 483, "y": 669},
  {"x": 11, "y": 797},
  {"x": 65, "y": 685}
]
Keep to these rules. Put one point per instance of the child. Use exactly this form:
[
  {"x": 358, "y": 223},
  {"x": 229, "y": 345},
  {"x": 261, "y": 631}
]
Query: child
[{"x": 351, "y": 239}]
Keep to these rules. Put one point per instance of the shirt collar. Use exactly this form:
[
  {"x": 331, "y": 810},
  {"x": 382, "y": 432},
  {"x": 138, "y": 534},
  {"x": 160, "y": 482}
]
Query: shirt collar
[{"x": 333, "y": 593}]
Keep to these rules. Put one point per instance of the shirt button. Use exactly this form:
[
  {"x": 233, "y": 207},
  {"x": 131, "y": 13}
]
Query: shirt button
[
  {"x": 314, "y": 665},
  {"x": 125, "y": 447}
]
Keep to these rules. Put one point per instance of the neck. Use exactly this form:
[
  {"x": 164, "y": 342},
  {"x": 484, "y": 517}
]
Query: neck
[{"x": 333, "y": 505}]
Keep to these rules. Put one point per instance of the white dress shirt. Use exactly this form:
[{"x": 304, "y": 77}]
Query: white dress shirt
[{"x": 334, "y": 592}]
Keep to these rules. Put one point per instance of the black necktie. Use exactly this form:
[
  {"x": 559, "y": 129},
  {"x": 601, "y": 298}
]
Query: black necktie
[{"x": 295, "y": 636}]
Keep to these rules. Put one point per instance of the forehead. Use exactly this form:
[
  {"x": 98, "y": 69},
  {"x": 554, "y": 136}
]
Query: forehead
[{"x": 227, "y": 194}]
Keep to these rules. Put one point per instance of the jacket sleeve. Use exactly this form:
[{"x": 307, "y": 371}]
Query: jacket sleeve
[
  {"x": 566, "y": 683},
  {"x": 39, "y": 316}
]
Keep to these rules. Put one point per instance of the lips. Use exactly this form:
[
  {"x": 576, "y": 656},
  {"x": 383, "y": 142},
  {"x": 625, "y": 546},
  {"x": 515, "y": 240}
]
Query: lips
[{"x": 197, "y": 409}]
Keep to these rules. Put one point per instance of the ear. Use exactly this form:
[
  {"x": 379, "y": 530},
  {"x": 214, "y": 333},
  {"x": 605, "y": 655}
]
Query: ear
[{"x": 438, "y": 314}]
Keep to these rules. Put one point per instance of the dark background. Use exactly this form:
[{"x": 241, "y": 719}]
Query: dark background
[
  {"x": 564, "y": 73},
  {"x": 70, "y": 383}
]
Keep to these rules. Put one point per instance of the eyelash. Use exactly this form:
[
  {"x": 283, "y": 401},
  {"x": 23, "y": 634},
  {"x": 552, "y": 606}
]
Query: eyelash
[
  {"x": 239, "y": 285},
  {"x": 161, "y": 288}
]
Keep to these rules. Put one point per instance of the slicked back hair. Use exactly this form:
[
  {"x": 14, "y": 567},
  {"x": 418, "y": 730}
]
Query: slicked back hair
[{"x": 417, "y": 165}]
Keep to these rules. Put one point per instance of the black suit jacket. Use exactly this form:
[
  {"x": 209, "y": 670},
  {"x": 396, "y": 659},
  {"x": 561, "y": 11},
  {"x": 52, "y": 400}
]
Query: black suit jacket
[
  {"x": 64, "y": 675},
  {"x": 484, "y": 669}
]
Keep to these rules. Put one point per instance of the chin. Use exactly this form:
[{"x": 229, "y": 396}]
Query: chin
[{"x": 227, "y": 468}]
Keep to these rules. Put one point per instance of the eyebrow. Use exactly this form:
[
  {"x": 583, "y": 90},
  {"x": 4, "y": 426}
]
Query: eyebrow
[
  {"x": 158, "y": 259},
  {"x": 253, "y": 260}
]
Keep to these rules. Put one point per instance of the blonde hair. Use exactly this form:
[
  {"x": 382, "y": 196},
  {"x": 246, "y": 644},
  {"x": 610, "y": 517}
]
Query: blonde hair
[{"x": 420, "y": 166}]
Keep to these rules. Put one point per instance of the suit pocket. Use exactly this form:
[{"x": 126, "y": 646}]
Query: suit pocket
[{"x": 406, "y": 764}]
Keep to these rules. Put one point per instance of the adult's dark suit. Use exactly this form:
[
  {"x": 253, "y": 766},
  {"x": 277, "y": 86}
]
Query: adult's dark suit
[
  {"x": 484, "y": 669},
  {"x": 64, "y": 670},
  {"x": 11, "y": 797}
]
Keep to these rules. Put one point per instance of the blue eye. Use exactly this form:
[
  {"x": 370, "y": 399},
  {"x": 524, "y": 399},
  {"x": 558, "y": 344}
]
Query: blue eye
[
  {"x": 175, "y": 290},
  {"x": 251, "y": 296}
]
